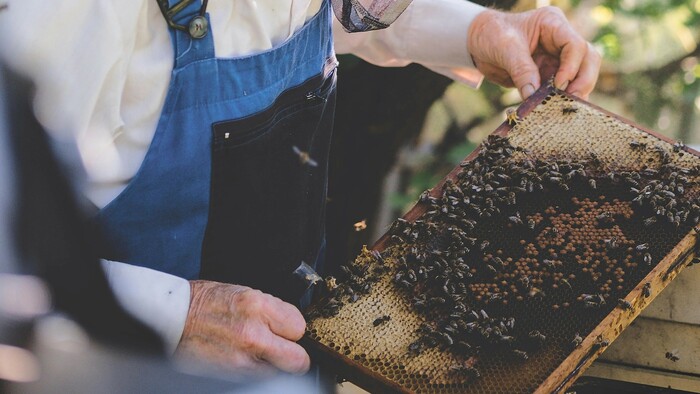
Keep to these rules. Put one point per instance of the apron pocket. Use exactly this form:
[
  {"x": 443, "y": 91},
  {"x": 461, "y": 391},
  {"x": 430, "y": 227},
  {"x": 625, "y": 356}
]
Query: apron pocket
[{"x": 268, "y": 190}]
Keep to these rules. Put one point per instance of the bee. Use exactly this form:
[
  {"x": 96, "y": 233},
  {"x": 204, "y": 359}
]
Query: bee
[
  {"x": 602, "y": 342},
  {"x": 646, "y": 290},
  {"x": 605, "y": 216},
  {"x": 484, "y": 244},
  {"x": 331, "y": 283},
  {"x": 537, "y": 336},
  {"x": 378, "y": 256},
  {"x": 520, "y": 354},
  {"x": 304, "y": 157},
  {"x": 624, "y": 304},
  {"x": 512, "y": 117},
  {"x": 642, "y": 247},
  {"x": 647, "y": 258},
  {"x": 497, "y": 260},
  {"x": 673, "y": 355},
  {"x": 381, "y": 320},
  {"x": 596, "y": 299},
  {"x": 416, "y": 347},
  {"x": 577, "y": 340},
  {"x": 649, "y": 221},
  {"x": 566, "y": 282},
  {"x": 361, "y": 225},
  {"x": 531, "y": 223},
  {"x": 638, "y": 145},
  {"x": 569, "y": 110},
  {"x": 611, "y": 243},
  {"x": 678, "y": 146},
  {"x": 466, "y": 370},
  {"x": 668, "y": 193},
  {"x": 549, "y": 263}
]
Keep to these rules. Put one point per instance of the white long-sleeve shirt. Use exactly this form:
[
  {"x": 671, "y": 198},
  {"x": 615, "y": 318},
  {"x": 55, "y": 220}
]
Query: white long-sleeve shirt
[{"x": 102, "y": 69}]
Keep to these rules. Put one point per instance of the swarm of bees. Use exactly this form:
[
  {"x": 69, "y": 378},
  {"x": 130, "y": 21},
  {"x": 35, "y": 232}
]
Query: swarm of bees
[{"x": 461, "y": 282}]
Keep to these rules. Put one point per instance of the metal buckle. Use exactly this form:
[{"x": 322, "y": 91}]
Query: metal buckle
[{"x": 198, "y": 26}]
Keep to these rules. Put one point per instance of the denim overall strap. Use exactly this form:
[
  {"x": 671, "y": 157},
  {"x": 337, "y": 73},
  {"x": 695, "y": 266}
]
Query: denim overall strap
[
  {"x": 223, "y": 192},
  {"x": 186, "y": 48}
]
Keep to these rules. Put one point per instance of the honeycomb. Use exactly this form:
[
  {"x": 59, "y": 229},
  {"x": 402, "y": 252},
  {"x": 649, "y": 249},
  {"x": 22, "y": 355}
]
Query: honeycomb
[{"x": 371, "y": 339}]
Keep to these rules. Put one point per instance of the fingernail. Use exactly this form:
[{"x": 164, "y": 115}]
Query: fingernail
[
  {"x": 527, "y": 91},
  {"x": 563, "y": 85}
]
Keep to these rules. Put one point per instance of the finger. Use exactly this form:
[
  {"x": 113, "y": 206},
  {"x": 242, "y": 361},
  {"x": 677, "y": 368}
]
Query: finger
[
  {"x": 572, "y": 55},
  {"x": 560, "y": 39},
  {"x": 522, "y": 70},
  {"x": 283, "y": 354},
  {"x": 285, "y": 320},
  {"x": 587, "y": 76}
]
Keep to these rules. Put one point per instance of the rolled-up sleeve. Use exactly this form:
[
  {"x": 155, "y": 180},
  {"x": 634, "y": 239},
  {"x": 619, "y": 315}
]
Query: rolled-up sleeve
[
  {"x": 159, "y": 300},
  {"x": 430, "y": 32}
]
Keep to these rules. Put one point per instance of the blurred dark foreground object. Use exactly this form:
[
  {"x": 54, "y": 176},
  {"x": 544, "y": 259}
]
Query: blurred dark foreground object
[{"x": 61, "y": 328}]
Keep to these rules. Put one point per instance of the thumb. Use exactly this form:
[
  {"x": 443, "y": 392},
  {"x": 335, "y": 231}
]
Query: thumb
[{"x": 523, "y": 71}]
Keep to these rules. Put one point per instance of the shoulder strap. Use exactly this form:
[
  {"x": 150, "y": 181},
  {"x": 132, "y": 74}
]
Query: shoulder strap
[{"x": 379, "y": 15}]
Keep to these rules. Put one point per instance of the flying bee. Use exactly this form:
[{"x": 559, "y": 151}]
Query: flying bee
[
  {"x": 361, "y": 225},
  {"x": 624, "y": 304},
  {"x": 512, "y": 117},
  {"x": 304, "y": 157},
  {"x": 569, "y": 110},
  {"x": 647, "y": 258},
  {"x": 646, "y": 290}
]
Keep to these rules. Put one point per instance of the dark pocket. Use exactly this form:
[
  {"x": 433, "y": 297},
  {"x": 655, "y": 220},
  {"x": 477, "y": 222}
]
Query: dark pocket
[{"x": 267, "y": 196}]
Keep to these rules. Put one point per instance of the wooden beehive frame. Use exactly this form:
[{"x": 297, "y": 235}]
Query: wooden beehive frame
[{"x": 605, "y": 332}]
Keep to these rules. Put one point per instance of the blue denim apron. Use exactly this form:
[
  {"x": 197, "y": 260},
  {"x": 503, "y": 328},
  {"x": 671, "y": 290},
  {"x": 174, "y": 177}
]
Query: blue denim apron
[{"x": 226, "y": 191}]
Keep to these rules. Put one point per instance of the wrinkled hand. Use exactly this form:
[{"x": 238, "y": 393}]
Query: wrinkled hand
[
  {"x": 520, "y": 49},
  {"x": 238, "y": 329}
]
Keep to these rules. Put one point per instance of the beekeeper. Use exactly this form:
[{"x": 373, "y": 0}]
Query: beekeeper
[{"x": 205, "y": 130}]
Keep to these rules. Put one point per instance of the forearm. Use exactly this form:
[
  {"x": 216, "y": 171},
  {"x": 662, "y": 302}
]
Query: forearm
[
  {"x": 159, "y": 300},
  {"x": 430, "y": 32}
]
